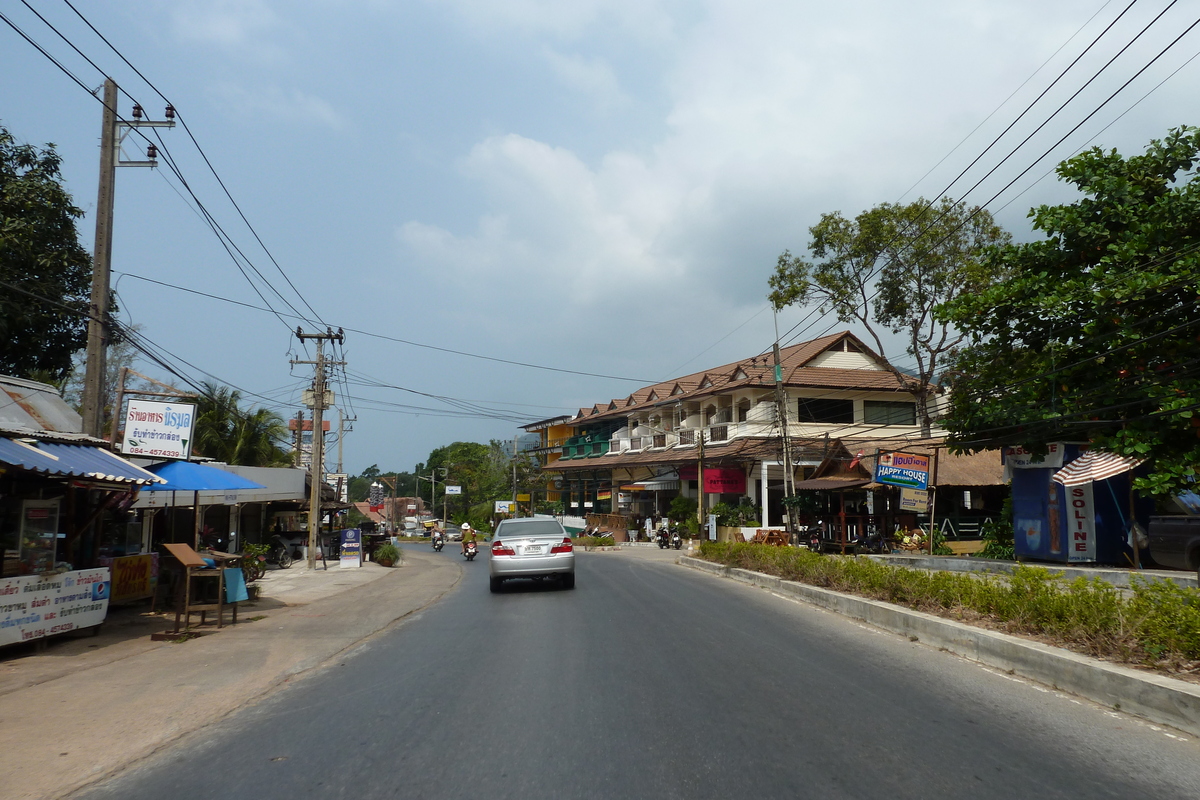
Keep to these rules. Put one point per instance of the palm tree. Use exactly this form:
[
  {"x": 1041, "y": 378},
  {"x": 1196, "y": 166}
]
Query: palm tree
[{"x": 226, "y": 432}]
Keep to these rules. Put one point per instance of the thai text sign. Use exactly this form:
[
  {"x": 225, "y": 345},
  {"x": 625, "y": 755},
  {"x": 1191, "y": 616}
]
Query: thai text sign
[
  {"x": 903, "y": 469},
  {"x": 158, "y": 429},
  {"x": 916, "y": 500},
  {"x": 133, "y": 577},
  {"x": 35, "y": 606},
  {"x": 351, "y": 548}
]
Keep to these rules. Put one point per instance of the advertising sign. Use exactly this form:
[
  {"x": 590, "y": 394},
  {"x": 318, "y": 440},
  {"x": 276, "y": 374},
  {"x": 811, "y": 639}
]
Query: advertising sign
[
  {"x": 133, "y": 577},
  {"x": 712, "y": 527},
  {"x": 724, "y": 481},
  {"x": 1081, "y": 523},
  {"x": 154, "y": 428},
  {"x": 1020, "y": 458},
  {"x": 340, "y": 483},
  {"x": 522, "y": 498},
  {"x": 453, "y": 490},
  {"x": 35, "y": 606},
  {"x": 915, "y": 500},
  {"x": 906, "y": 470},
  {"x": 504, "y": 506},
  {"x": 351, "y": 548}
]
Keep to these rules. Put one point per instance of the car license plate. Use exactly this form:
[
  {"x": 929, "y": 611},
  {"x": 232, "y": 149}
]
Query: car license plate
[{"x": 533, "y": 549}]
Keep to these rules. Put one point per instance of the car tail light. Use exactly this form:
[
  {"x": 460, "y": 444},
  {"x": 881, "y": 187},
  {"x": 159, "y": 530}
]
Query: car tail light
[
  {"x": 566, "y": 547},
  {"x": 501, "y": 549}
]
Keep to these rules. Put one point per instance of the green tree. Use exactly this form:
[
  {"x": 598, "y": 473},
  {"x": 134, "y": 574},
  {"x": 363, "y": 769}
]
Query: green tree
[
  {"x": 226, "y": 432},
  {"x": 1093, "y": 336},
  {"x": 39, "y": 254},
  {"x": 887, "y": 269}
]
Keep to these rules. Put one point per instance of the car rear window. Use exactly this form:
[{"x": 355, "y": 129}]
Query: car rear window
[{"x": 530, "y": 527}]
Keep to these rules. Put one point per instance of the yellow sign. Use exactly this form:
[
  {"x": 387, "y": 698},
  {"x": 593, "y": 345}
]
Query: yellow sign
[
  {"x": 132, "y": 578},
  {"x": 914, "y": 500},
  {"x": 522, "y": 498}
]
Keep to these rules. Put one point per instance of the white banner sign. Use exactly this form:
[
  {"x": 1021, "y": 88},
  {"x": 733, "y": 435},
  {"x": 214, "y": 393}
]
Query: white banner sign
[
  {"x": 1081, "y": 525},
  {"x": 1020, "y": 458},
  {"x": 453, "y": 490},
  {"x": 158, "y": 429},
  {"x": 504, "y": 506},
  {"x": 35, "y": 606}
]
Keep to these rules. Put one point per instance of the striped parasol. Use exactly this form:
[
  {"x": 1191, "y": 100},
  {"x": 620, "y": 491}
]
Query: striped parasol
[{"x": 1094, "y": 466}]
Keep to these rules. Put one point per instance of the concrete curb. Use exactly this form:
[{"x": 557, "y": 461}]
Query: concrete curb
[{"x": 1154, "y": 697}]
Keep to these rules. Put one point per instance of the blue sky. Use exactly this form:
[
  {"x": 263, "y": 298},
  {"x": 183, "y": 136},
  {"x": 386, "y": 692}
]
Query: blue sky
[{"x": 601, "y": 187}]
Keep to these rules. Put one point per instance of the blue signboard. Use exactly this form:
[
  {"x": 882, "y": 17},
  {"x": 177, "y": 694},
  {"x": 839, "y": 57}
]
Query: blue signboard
[
  {"x": 351, "y": 548},
  {"x": 908, "y": 470}
]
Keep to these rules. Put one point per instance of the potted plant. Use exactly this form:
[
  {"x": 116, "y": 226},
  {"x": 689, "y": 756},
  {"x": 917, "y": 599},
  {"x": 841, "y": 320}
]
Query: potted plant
[{"x": 387, "y": 555}]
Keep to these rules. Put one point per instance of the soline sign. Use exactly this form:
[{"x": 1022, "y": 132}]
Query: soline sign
[
  {"x": 158, "y": 429},
  {"x": 903, "y": 469}
]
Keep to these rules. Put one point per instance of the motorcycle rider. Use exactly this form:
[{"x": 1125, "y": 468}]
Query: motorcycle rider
[{"x": 468, "y": 535}]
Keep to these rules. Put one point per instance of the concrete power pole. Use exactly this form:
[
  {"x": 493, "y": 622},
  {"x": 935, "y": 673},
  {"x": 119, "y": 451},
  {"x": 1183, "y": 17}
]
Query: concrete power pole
[
  {"x": 781, "y": 406},
  {"x": 320, "y": 401},
  {"x": 112, "y": 133}
]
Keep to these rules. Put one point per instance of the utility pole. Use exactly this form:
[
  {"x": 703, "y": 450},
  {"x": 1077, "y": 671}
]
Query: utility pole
[
  {"x": 514, "y": 505},
  {"x": 781, "y": 408},
  {"x": 298, "y": 439},
  {"x": 112, "y": 133},
  {"x": 700, "y": 477},
  {"x": 342, "y": 428},
  {"x": 319, "y": 403}
]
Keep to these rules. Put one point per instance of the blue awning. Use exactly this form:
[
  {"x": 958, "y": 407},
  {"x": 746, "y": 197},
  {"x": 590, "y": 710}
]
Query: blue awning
[
  {"x": 86, "y": 462},
  {"x": 186, "y": 476}
]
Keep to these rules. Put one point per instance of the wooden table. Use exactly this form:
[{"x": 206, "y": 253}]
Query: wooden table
[{"x": 194, "y": 566}]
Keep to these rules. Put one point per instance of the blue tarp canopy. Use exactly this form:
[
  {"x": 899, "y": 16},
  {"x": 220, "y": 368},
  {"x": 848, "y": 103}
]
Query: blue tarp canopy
[
  {"x": 72, "y": 461},
  {"x": 186, "y": 476}
]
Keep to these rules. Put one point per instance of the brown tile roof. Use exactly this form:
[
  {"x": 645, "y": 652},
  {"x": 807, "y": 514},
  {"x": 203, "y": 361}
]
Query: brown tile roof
[{"x": 759, "y": 371}]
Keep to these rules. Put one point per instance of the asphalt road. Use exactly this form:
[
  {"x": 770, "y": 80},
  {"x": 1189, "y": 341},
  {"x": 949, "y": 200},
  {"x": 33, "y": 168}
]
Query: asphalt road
[{"x": 651, "y": 680}]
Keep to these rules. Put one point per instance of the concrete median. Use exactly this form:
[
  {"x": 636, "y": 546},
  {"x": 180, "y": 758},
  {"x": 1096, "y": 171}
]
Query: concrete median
[{"x": 1155, "y": 697}]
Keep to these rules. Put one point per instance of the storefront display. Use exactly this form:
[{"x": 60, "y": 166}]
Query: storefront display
[{"x": 38, "y": 537}]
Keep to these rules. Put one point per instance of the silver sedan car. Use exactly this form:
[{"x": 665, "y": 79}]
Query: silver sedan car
[{"x": 531, "y": 548}]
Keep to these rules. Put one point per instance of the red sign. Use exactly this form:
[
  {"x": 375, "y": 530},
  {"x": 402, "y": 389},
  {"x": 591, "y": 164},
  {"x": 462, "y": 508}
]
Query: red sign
[{"x": 718, "y": 480}]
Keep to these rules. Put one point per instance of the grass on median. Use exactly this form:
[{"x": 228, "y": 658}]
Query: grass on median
[{"x": 1158, "y": 624}]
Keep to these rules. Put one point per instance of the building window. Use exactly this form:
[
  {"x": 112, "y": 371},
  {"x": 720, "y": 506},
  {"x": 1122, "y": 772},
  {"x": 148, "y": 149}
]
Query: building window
[
  {"x": 825, "y": 410},
  {"x": 881, "y": 412}
]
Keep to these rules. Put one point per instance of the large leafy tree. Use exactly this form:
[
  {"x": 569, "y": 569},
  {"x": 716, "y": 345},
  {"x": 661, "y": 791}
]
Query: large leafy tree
[
  {"x": 41, "y": 256},
  {"x": 887, "y": 269},
  {"x": 1094, "y": 335}
]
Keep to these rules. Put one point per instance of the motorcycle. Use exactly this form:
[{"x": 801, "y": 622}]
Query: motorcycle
[
  {"x": 663, "y": 542},
  {"x": 279, "y": 553},
  {"x": 438, "y": 542},
  {"x": 472, "y": 549},
  {"x": 873, "y": 542},
  {"x": 811, "y": 536},
  {"x": 676, "y": 539}
]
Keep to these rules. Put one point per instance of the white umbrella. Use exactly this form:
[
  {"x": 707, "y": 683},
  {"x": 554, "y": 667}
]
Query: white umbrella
[{"x": 1094, "y": 465}]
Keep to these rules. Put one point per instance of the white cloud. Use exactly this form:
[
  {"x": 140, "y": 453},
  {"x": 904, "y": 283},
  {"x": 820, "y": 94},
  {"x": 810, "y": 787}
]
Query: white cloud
[
  {"x": 593, "y": 78},
  {"x": 227, "y": 23},
  {"x": 278, "y": 103}
]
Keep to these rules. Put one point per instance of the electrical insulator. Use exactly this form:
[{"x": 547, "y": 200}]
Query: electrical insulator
[
  {"x": 137, "y": 111},
  {"x": 151, "y": 151},
  {"x": 170, "y": 112}
]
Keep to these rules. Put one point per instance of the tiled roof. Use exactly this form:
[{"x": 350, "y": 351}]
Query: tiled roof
[{"x": 759, "y": 371}]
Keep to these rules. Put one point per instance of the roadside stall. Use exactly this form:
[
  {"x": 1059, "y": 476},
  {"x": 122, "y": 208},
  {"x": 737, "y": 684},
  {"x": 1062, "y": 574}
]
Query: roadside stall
[
  {"x": 1074, "y": 505},
  {"x": 61, "y": 495}
]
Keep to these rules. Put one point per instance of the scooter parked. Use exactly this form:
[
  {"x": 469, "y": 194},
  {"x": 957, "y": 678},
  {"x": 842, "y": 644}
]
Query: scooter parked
[
  {"x": 676, "y": 539},
  {"x": 662, "y": 540}
]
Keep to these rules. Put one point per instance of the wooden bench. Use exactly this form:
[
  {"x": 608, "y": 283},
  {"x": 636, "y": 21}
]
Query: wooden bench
[{"x": 966, "y": 548}]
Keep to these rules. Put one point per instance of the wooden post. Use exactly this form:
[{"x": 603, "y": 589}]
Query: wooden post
[{"x": 932, "y": 498}]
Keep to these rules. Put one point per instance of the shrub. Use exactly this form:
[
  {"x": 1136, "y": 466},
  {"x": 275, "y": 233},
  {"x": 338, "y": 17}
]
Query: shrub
[
  {"x": 1160, "y": 623},
  {"x": 387, "y": 554}
]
